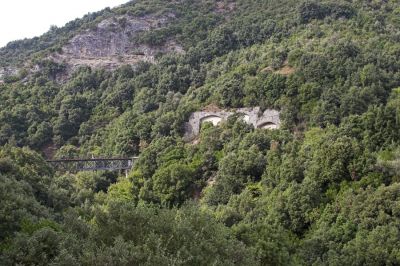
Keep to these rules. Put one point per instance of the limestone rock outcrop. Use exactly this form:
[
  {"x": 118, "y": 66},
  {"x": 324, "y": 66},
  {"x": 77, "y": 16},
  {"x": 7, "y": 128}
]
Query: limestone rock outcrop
[
  {"x": 111, "y": 43},
  {"x": 7, "y": 71}
]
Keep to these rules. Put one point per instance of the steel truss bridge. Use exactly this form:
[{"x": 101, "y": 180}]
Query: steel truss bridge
[{"x": 94, "y": 164}]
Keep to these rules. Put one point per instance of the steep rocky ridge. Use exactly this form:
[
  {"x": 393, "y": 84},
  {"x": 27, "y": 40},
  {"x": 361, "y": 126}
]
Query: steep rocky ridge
[
  {"x": 111, "y": 43},
  {"x": 108, "y": 44}
]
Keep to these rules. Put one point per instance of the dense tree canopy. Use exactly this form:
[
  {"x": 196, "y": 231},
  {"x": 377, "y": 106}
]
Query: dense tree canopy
[{"x": 321, "y": 190}]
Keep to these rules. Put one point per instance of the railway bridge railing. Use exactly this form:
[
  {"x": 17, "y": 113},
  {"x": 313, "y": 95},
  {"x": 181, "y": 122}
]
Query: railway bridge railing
[{"x": 93, "y": 164}]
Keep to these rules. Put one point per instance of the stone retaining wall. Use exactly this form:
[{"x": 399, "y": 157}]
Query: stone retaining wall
[{"x": 268, "y": 119}]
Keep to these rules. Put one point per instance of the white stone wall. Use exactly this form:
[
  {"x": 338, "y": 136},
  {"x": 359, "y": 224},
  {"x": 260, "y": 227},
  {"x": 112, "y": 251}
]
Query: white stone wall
[
  {"x": 215, "y": 120},
  {"x": 269, "y": 119}
]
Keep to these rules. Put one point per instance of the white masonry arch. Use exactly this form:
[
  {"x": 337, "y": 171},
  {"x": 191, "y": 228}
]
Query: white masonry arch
[
  {"x": 268, "y": 125},
  {"x": 214, "y": 119}
]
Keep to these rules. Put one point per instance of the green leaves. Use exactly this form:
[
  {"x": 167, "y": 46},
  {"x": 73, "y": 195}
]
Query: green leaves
[
  {"x": 172, "y": 184},
  {"x": 187, "y": 236},
  {"x": 356, "y": 228},
  {"x": 322, "y": 190}
]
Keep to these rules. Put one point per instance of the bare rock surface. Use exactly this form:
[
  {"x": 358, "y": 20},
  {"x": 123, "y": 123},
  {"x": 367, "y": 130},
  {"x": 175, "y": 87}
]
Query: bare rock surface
[
  {"x": 111, "y": 43},
  {"x": 7, "y": 71}
]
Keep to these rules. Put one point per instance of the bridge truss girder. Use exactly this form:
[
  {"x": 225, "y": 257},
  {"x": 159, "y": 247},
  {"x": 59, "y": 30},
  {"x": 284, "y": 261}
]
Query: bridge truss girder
[{"x": 105, "y": 164}]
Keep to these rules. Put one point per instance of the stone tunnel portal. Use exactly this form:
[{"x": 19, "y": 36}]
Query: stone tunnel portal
[
  {"x": 215, "y": 120},
  {"x": 268, "y": 125}
]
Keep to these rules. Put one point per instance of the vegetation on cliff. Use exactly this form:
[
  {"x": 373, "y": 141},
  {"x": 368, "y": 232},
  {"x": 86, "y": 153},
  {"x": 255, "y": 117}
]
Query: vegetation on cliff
[{"x": 322, "y": 190}]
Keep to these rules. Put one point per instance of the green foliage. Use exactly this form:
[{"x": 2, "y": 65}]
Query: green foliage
[
  {"x": 24, "y": 187},
  {"x": 186, "y": 236},
  {"x": 235, "y": 170},
  {"x": 322, "y": 190},
  {"x": 171, "y": 184},
  {"x": 18, "y": 51},
  {"x": 341, "y": 231},
  {"x": 122, "y": 190},
  {"x": 390, "y": 162},
  {"x": 315, "y": 10}
]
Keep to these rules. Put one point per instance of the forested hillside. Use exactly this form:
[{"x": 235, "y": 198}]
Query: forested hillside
[{"x": 324, "y": 189}]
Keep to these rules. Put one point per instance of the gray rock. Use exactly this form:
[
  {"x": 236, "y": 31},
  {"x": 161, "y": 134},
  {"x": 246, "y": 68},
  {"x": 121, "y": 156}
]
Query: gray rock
[
  {"x": 110, "y": 44},
  {"x": 7, "y": 71}
]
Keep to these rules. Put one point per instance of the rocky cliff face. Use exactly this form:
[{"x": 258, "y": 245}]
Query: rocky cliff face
[
  {"x": 110, "y": 44},
  {"x": 7, "y": 71}
]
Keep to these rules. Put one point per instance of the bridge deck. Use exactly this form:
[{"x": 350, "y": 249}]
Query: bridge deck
[{"x": 93, "y": 164}]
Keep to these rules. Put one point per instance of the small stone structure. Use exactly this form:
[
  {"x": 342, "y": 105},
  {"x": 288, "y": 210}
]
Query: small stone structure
[{"x": 269, "y": 119}]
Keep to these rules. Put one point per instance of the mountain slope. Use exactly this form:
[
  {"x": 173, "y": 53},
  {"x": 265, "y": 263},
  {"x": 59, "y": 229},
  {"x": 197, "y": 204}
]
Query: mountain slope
[{"x": 323, "y": 189}]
